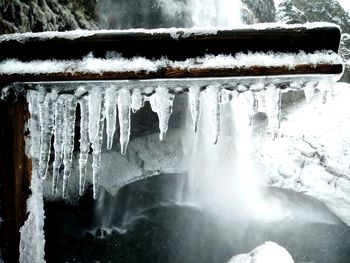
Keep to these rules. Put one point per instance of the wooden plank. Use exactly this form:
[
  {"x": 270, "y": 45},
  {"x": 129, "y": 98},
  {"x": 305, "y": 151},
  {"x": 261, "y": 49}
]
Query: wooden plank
[
  {"x": 15, "y": 175},
  {"x": 173, "y": 73},
  {"x": 154, "y": 45}
]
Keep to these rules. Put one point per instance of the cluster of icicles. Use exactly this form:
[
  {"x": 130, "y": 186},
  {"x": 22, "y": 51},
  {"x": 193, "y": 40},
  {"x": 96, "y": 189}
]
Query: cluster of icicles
[{"x": 53, "y": 114}]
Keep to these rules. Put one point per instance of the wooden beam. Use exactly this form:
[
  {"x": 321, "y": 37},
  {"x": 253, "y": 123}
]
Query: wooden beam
[
  {"x": 187, "y": 44},
  {"x": 174, "y": 73},
  {"x": 15, "y": 175}
]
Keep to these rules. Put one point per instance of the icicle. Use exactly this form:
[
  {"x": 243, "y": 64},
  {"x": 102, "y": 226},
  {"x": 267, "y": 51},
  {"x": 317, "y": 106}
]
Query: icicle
[
  {"x": 68, "y": 139},
  {"x": 33, "y": 99},
  {"x": 96, "y": 157},
  {"x": 58, "y": 142},
  {"x": 323, "y": 87},
  {"x": 46, "y": 123},
  {"x": 137, "y": 100},
  {"x": 195, "y": 105},
  {"x": 32, "y": 238},
  {"x": 96, "y": 120},
  {"x": 213, "y": 97},
  {"x": 252, "y": 104},
  {"x": 124, "y": 100},
  {"x": 95, "y": 103},
  {"x": 84, "y": 142},
  {"x": 273, "y": 108},
  {"x": 164, "y": 107},
  {"x": 309, "y": 91},
  {"x": 111, "y": 114},
  {"x": 153, "y": 103},
  {"x": 225, "y": 96},
  {"x": 260, "y": 101}
]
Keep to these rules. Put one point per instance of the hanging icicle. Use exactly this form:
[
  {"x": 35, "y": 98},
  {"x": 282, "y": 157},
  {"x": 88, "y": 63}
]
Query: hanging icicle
[
  {"x": 164, "y": 108},
  {"x": 309, "y": 91},
  {"x": 252, "y": 104},
  {"x": 46, "y": 127},
  {"x": 273, "y": 108},
  {"x": 68, "y": 139},
  {"x": 214, "y": 106},
  {"x": 84, "y": 142},
  {"x": 195, "y": 105},
  {"x": 124, "y": 100},
  {"x": 137, "y": 100},
  {"x": 58, "y": 141},
  {"x": 111, "y": 114},
  {"x": 96, "y": 120}
]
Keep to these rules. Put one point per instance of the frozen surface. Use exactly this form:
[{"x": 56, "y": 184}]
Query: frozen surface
[{"x": 269, "y": 252}]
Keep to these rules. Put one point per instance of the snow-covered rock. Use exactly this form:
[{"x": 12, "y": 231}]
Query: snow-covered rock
[
  {"x": 312, "y": 154},
  {"x": 269, "y": 252}
]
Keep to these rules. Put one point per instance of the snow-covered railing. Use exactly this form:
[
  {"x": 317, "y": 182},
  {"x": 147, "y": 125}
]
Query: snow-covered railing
[
  {"x": 110, "y": 74},
  {"x": 268, "y": 50}
]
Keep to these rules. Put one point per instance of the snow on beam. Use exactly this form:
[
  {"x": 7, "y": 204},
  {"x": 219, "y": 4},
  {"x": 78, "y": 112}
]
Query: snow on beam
[{"x": 173, "y": 73}]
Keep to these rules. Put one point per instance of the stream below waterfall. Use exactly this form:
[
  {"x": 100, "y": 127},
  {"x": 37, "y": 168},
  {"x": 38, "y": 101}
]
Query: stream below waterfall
[{"x": 157, "y": 229}]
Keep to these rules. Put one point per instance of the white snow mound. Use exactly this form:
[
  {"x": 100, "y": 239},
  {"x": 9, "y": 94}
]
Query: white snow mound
[{"x": 269, "y": 252}]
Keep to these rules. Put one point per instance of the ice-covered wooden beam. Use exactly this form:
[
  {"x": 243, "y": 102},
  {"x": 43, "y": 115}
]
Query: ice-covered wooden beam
[
  {"x": 175, "y": 44},
  {"x": 114, "y": 68},
  {"x": 261, "y": 50}
]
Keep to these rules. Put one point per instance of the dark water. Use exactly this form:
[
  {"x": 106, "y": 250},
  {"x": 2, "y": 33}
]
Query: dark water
[{"x": 156, "y": 230}]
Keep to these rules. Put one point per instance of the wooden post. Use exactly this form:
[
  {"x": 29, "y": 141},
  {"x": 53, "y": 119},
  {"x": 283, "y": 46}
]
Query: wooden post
[{"x": 15, "y": 174}]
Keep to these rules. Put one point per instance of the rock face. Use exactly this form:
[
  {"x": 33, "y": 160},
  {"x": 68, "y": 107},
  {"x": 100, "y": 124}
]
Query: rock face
[
  {"x": 46, "y": 15},
  {"x": 263, "y": 10}
]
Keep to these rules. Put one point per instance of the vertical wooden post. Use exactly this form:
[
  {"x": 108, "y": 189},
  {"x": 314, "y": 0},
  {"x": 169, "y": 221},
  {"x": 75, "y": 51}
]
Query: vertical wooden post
[{"x": 15, "y": 173}]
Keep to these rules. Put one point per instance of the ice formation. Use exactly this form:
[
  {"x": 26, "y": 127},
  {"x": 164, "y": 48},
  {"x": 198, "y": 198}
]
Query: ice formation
[
  {"x": 32, "y": 241},
  {"x": 195, "y": 106},
  {"x": 102, "y": 106}
]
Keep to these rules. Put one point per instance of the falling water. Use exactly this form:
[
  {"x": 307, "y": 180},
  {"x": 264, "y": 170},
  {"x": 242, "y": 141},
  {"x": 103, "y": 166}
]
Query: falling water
[
  {"x": 222, "y": 177},
  {"x": 215, "y": 12},
  {"x": 220, "y": 168}
]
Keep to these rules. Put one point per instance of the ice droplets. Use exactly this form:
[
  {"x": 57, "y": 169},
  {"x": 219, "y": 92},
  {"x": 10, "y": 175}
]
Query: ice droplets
[{"x": 105, "y": 107}]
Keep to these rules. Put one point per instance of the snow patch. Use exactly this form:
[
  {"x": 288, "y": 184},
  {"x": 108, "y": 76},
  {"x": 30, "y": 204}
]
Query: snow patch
[{"x": 269, "y": 252}]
